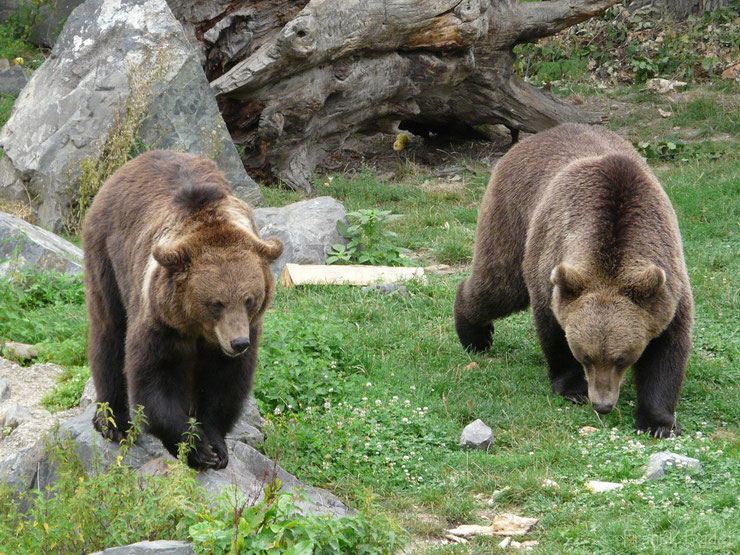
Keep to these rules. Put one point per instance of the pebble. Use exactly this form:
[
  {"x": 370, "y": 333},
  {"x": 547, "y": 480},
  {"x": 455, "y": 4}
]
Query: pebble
[
  {"x": 476, "y": 435},
  {"x": 660, "y": 462}
]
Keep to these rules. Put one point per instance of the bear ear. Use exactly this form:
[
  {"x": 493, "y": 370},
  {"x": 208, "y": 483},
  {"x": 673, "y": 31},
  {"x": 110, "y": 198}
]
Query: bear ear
[
  {"x": 568, "y": 278},
  {"x": 270, "y": 249},
  {"x": 175, "y": 257},
  {"x": 647, "y": 282}
]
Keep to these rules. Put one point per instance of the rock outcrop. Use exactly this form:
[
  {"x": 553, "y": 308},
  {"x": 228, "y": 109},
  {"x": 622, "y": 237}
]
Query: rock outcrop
[{"x": 74, "y": 100}]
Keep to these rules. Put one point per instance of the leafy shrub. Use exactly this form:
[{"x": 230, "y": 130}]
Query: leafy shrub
[
  {"x": 277, "y": 525},
  {"x": 676, "y": 150},
  {"x": 369, "y": 241}
]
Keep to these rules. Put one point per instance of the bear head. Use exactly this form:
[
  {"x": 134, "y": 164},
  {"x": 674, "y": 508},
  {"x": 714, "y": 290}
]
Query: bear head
[
  {"x": 214, "y": 283},
  {"x": 608, "y": 323}
]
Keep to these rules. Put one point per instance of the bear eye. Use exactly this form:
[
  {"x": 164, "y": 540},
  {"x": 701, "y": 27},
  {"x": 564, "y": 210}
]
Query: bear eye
[
  {"x": 587, "y": 361},
  {"x": 249, "y": 303},
  {"x": 620, "y": 362},
  {"x": 215, "y": 306}
]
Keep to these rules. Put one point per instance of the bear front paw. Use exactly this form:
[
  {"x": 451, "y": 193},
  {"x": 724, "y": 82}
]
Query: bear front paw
[
  {"x": 203, "y": 457},
  {"x": 658, "y": 427},
  {"x": 473, "y": 338},
  {"x": 109, "y": 430}
]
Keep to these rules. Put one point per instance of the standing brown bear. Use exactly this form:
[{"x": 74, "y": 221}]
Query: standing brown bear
[
  {"x": 177, "y": 281},
  {"x": 575, "y": 223}
]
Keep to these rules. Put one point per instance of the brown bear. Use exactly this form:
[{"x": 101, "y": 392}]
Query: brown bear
[
  {"x": 177, "y": 281},
  {"x": 574, "y": 223}
]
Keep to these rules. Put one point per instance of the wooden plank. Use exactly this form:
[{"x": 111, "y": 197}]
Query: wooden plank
[{"x": 317, "y": 274}]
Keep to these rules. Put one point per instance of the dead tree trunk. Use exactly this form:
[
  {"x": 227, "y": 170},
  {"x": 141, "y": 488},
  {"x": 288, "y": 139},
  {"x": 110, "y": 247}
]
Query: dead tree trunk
[
  {"x": 677, "y": 9},
  {"x": 296, "y": 78}
]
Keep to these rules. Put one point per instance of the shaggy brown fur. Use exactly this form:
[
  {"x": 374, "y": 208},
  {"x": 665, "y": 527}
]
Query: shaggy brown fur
[
  {"x": 177, "y": 281},
  {"x": 575, "y": 223}
]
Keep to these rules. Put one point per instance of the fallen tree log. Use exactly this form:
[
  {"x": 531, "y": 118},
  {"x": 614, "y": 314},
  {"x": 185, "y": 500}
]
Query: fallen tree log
[{"x": 295, "y": 79}]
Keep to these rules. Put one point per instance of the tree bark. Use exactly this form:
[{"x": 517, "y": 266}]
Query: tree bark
[{"x": 295, "y": 79}]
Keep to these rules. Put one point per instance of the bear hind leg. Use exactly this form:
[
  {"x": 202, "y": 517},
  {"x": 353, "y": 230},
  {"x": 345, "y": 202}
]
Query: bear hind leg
[
  {"x": 106, "y": 344},
  {"x": 566, "y": 373}
]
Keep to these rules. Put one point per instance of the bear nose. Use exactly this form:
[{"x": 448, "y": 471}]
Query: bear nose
[
  {"x": 603, "y": 408},
  {"x": 240, "y": 344}
]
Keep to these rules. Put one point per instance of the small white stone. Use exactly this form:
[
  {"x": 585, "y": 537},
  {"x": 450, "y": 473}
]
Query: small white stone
[{"x": 596, "y": 486}]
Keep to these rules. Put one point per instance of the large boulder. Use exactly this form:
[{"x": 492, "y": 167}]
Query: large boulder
[
  {"x": 70, "y": 104},
  {"x": 25, "y": 246},
  {"x": 249, "y": 470},
  {"x": 307, "y": 228}
]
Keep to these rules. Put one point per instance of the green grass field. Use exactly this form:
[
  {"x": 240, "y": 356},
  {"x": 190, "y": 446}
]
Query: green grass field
[{"x": 366, "y": 394}]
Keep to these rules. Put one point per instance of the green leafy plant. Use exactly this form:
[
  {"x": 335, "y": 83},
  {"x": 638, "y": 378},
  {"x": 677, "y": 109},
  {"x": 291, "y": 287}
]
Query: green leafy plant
[
  {"x": 676, "y": 150},
  {"x": 276, "y": 524},
  {"x": 369, "y": 241}
]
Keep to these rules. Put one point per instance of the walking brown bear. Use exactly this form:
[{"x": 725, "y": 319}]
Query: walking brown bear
[
  {"x": 177, "y": 281},
  {"x": 575, "y": 223}
]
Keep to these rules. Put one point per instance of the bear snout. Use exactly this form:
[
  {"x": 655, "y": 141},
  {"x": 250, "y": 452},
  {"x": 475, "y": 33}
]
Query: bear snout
[
  {"x": 602, "y": 408},
  {"x": 240, "y": 344}
]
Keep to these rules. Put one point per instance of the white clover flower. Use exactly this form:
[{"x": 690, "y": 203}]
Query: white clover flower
[
  {"x": 413, "y": 388},
  {"x": 327, "y": 405},
  {"x": 368, "y": 384},
  {"x": 378, "y": 402},
  {"x": 277, "y": 410}
]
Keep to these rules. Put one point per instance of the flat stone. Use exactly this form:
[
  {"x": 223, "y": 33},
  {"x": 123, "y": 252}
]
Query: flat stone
[
  {"x": 20, "y": 351},
  {"x": 161, "y": 547},
  {"x": 596, "y": 486},
  {"x": 24, "y": 246},
  {"x": 307, "y": 228},
  {"x": 476, "y": 435},
  {"x": 12, "y": 80},
  {"x": 661, "y": 462},
  {"x": 505, "y": 524}
]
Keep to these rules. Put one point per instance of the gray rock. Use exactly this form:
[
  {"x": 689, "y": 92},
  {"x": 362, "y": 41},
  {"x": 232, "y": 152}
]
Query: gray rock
[
  {"x": 26, "y": 246},
  {"x": 66, "y": 111},
  {"x": 12, "y": 80},
  {"x": 15, "y": 415},
  {"x": 4, "y": 391},
  {"x": 476, "y": 435},
  {"x": 248, "y": 469},
  {"x": 308, "y": 229},
  {"x": 89, "y": 395},
  {"x": 386, "y": 288},
  {"x": 161, "y": 547},
  {"x": 20, "y": 351},
  {"x": 661, "y": 462}
]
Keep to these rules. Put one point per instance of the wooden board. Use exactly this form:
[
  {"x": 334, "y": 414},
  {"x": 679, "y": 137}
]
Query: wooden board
[{"x": 317, "y": 274}]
